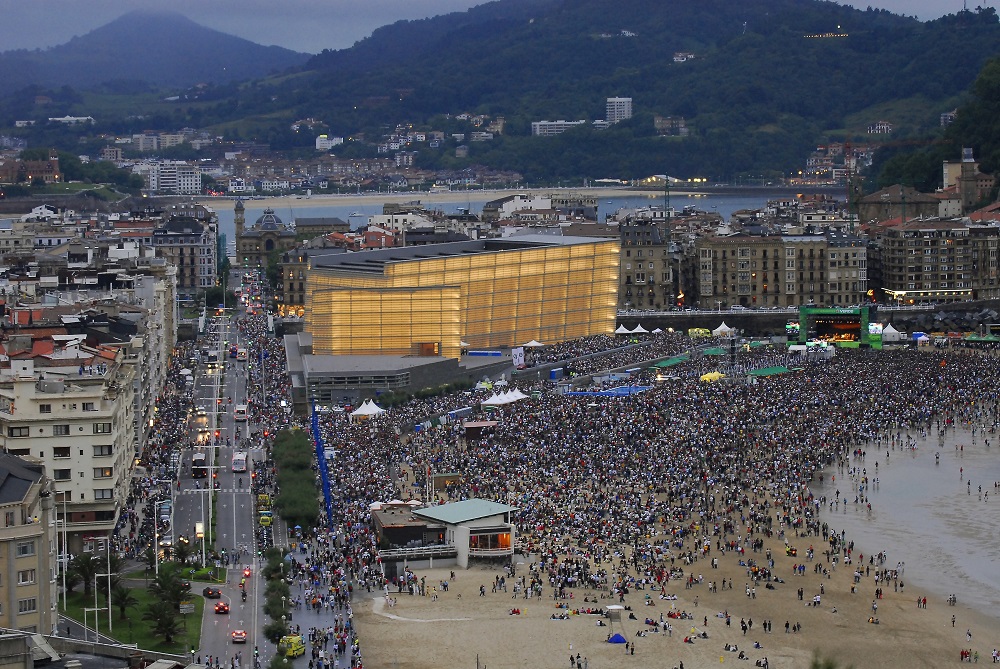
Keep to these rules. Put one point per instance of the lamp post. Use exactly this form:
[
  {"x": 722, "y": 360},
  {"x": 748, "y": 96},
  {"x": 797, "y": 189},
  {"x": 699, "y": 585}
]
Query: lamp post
[{"x": 109, "y": 575}]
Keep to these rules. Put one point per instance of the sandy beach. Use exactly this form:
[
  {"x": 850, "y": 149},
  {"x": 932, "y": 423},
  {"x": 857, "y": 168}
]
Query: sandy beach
[
  {"x": 377, "y": 199},
  {"x": 460, "y": 625}
]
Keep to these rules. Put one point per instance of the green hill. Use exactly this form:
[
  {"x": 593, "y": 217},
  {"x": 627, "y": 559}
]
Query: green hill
[{"x": 770, "y": 79}]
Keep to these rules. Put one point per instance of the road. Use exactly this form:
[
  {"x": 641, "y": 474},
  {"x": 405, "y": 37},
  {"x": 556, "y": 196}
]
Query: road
[{"x": 233, "y": 505}]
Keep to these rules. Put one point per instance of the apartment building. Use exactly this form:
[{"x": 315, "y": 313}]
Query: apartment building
[
  {"x": 28, "y": 590},
  {"x": 73, "y": 413},
  {"x": 551, "y": 128},
  {"x": 780, "y": 270},
  {"x": 618, "y": 109},
  {"x": 935, "y": 261},
  {"x": 188, "y": 240},
  {"x": 170, "y": 177},
  {"x": 647, "y": 273}
]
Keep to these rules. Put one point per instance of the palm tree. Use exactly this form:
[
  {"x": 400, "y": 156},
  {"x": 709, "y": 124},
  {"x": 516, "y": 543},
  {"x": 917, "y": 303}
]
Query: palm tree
[
  {"x": 85, "y": 566},
  {"x": 123, "y": 598},
  {"x": 182, "y": 551},
  {"x": 167, "y": 587},
  {"x": 164, "y": 617}
]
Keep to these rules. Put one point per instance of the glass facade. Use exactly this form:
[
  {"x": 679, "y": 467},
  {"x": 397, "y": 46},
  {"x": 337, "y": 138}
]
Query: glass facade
[{"x": 490, "y": 299}]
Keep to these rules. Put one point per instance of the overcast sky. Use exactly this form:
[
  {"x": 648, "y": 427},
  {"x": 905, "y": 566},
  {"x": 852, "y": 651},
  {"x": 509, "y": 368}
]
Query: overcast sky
[{"x": 302, "y": 25}]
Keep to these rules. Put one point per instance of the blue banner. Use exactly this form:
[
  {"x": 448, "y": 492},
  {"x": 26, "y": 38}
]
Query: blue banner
[{"x": 324, "y": 474}]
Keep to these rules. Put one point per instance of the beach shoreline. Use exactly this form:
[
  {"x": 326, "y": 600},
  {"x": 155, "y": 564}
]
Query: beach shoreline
[{"x": 460, "y": 627}]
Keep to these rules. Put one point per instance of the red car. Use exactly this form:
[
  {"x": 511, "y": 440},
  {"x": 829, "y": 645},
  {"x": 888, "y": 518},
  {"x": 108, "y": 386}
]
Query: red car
[
  {"x": 222, "y": 607},
  {"x": 239, "y": 636}
]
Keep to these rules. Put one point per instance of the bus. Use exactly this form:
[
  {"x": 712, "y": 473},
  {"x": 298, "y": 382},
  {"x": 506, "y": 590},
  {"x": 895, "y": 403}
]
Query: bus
[
  {"x": 199, "y": 466},
  {"x": 241, "y": 355},
  {"x": 240, "y": 461},
  {"x": 240, "y": 412}
]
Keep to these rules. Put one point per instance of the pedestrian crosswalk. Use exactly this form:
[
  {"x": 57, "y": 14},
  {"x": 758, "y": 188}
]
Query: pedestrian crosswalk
[{"x": 197, "y": 491}]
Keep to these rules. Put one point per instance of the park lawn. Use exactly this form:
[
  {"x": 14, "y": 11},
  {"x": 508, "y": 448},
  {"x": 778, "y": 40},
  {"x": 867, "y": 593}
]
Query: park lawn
[
  {"x": 206, "y": 575},
  {"x": 133, "y": 629}
]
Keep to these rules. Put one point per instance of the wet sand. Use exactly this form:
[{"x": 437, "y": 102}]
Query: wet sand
[{"x": 420, "y": 633}]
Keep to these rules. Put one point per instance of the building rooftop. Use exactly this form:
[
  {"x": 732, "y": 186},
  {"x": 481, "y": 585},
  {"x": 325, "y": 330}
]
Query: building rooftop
[
  {"x": 16, "y": 478},
  {"x": 464, "y": 511},
  {"x": 374, "y": 261}
]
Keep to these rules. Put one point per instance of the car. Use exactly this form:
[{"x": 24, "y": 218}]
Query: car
[
  {"x": 239, "y": 636},
  {"x": 221, "y": 607},
  {"x": 738, "y": 307},
  {"x": 212, "y": 593},
  {"x": 185, "y": 586}
]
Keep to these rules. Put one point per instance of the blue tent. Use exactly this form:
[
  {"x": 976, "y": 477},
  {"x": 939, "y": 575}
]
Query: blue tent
[{"x": 617, "y": 638}]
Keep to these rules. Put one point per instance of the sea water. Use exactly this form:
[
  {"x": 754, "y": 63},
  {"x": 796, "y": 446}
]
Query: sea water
[
  {"x": 357, "y": 214},
  {"x": 926, "y": 514}
]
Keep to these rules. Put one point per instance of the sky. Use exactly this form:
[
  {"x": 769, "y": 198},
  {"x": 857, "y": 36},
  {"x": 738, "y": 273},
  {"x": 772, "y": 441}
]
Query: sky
[{"x": 301, "y": 25}]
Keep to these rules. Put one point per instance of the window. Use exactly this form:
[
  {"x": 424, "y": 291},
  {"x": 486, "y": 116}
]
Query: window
[
  {"x": 89, "y": 406},
  {"x": 62, "y": 474},
  {"x": 44, "y": 408},
  {"x": 25, "y": 548},
  {"x": 60, "y": 430},
  {"x": 60, "y": 452},
  {"x": 103, "y": 493},
  {"x": 10, "y": 519},
  {"x": 102, "y": 450},
  {"x": 102, "y": 428},
  {"x": 26, "y": 577},
  {"x": 19, "y": 431},
  {"x": 29, "y": 605},
  {"x": 103, "y": 472}
]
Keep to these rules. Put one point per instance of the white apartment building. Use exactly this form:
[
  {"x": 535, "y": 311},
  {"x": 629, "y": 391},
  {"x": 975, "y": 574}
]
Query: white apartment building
[
  {"x": 75, "y": 416},
  {"x": 550, "y": 128},
  {"x": 618, "y": 109},
  {"x": 326, "y": 142}
]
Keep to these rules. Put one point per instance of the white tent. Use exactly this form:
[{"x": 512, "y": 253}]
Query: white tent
[
  {"x": 534, "y": 343},
  {"x": 375, "y": 506},
  {"x": 640, "y": 330},
  {"x": 186, "y": 372},
  {"x": 500, "y": 383},
  {"x": 463, "y": 344},
  {"x": 623, "y": 330},
  {"x": 890, "y": 333},
  {"x": 368, "y": 408},
  {"x": 657, "y": 331},
  {"x": 505, "y": 398},
  {"x": 723, "y": 330}
]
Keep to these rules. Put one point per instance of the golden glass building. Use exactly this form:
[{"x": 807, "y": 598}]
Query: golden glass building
[{"x": 490, "y": 293}]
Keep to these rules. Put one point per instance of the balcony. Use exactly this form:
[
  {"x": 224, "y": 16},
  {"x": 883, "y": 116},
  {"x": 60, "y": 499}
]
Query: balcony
[{"x": 490, "y": 552}]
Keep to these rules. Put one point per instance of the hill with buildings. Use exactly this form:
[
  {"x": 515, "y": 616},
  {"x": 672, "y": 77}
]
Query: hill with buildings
[{"x": 157, "y": 48}]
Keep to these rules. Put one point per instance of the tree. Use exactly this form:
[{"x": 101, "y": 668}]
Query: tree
[
  {"x": 167, "y": 587},
  {"x": 165, "y": 619},
  {"x": 182, "y": 551},
  {"x": 85, "y": 566},
  {"x": 123, "y": 599}
]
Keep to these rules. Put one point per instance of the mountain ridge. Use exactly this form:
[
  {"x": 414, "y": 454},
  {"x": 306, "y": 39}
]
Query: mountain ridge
[{"x": 159, "y": 47}]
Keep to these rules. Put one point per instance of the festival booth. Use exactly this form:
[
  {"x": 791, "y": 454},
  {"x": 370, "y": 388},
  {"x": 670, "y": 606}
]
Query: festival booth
[
  {"x": 921, "y": 339},
  {"x": 622, "y": 330},
  {"x": 712, "y": 376},
  {"x": 640, "y": 330},
  {"x": 723, "y": 330},
  {"x": 533, "y": 344}
]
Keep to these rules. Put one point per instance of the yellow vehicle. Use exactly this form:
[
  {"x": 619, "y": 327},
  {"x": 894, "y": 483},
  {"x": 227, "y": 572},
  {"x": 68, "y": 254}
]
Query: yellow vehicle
[
  {"x": 292, "y": 645},
  {"x": 266, "y": 518},
  {"x": 263, "y": 502}
]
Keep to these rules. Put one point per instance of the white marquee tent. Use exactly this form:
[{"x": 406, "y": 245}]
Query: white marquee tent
[
  {"x": 723, "y": 330},
  {"x": 368, "y": 408}
]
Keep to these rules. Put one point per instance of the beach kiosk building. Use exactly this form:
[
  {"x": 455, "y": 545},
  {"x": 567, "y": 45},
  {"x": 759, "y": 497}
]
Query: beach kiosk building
[{"x": 477, "y": 528}]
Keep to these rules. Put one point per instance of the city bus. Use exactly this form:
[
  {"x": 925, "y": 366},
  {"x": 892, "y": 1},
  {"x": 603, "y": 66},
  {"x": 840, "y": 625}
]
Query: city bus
[
  {"x": 240, "y": 461},
  {"x": 199, "y": 466},
  {"x": 240, "y": 412}
]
